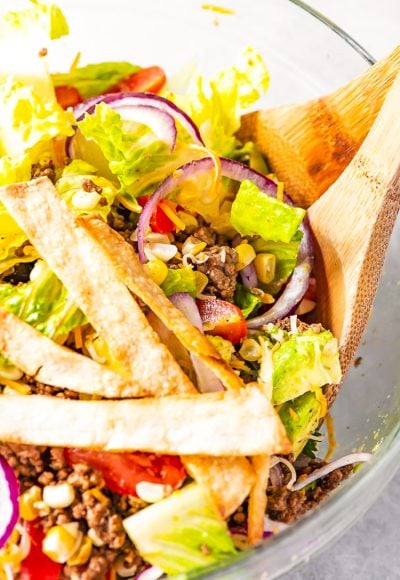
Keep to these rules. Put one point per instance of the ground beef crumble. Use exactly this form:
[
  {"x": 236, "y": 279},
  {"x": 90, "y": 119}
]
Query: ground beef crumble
[
  {"x": 44, "y": 169},
  {"x": 95, "y": 507},
  {"x": 220, "y": 268}
]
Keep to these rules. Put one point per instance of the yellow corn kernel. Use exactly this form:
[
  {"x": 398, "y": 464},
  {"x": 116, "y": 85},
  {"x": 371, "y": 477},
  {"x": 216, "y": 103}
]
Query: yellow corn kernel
[
  {"x": 246, "y": 255},
  {"x": 61, "y": 495},
  {"x": 193, "y": 246},
  {"x": 27, "y": 500},
  {"x": 83, "y": 554},
  {"x": 60, "y": 543},
  {"x": 201, "y": 282},
  {"x": 157, "y": 270},
  {"x": 265, "y": 267}
]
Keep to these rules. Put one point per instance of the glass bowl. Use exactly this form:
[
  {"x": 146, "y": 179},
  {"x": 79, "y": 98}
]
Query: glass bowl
[{"x": 307, "y": 56}]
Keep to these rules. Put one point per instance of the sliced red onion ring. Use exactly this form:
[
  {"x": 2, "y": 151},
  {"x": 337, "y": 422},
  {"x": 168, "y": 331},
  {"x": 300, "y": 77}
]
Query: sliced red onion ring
[
  {"x": 351, "y": 459},
  {"x": 207, "y": 382},
  {"x": 248, "y": 276},
  {"x": 118, "y": 100},
  {"x": 9, "y": 508},
  {"x": 298, "y": 283},
  {"x": 276, "y": 476}
]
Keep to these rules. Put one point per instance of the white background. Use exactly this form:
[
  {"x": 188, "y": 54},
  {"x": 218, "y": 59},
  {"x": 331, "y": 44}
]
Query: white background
[{"x": 371, "y": 549}]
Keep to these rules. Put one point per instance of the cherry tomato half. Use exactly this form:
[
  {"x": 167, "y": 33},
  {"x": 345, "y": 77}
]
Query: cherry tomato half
[
  {"x": 37, "y": 566},
  {"x": 68, "y": 96},
  {"x": 149, "y": 80},
  {"x": 223, "y": 319},
  {"x": 160, "y": 222},
  {"x": 122, "y": 471}
]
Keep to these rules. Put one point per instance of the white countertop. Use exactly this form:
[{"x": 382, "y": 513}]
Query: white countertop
[{"x": 370, "y": 550}]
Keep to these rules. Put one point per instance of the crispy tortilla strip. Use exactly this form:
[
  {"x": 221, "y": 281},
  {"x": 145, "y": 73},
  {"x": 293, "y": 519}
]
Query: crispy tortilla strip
[
  {"x": 139, "y": 282},
  {"x": 93, "y": 285},
  {"x": 258, "y": 498},
  {"x": 229, "y": 479},
  {"x": 52, "y": 364},
  {"x": 179, "y": 425}
]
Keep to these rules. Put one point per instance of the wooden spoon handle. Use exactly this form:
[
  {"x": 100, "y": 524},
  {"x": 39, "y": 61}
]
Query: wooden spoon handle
[
  {"x": 309, "y": 145},
  {"x": 352, "y": 223}
]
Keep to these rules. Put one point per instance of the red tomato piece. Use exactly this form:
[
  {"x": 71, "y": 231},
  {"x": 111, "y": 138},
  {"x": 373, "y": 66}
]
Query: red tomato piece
[
  {"x": 122, "y": 471},
  {"x": 37, "y": 566},
  {"x": 68, "y": 96},
  {"x": 145, "y": 80},
  {"x": 160, "y": 222},
  {"x": 223, "y": 319}
]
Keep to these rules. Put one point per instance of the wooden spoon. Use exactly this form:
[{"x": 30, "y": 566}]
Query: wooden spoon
[
  {"x": 352, "y": 223},
  {"x": 309, "y": 145}
]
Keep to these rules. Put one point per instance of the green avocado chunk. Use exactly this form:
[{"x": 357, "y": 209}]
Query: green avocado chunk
[
  {"x": 181, "y": 533},
  {"x": 304, "y": 362},
  {"x": 300, "y": 418}
]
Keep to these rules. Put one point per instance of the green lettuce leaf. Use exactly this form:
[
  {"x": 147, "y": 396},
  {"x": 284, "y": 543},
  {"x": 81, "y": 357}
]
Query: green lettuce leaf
[
  {"x": 94, "y": 79},
  {"x": 182, "y": 532},
  {"x": 269, "y": 218},
  {"x": 304, "y": 362},
  {"x": 286, "y": 257},
  {"x": 300, "y": 418},
  {"x": 216, "y": 107},
  {"x": 223, "y": 346},
  {"x": 247, "y": 302},
  {"x": 43, "y": 303},
  {"x": 71, "y": 190},
  {"x": 180, "y": 280}
]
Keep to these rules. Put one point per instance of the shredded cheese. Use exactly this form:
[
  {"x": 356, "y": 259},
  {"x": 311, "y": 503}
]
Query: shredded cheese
[
  {"x": 330, "y": 429},
  {"x": 78, "y": 337},
  {"x": 170, "y": 212}
]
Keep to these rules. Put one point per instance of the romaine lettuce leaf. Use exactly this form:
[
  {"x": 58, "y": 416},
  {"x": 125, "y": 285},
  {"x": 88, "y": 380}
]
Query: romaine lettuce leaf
[
  {"x": 269, "y": 218},
  {"x": 70, "y": 187},
  {"x": 300, "y": 418},
  {"x": 182, "y": 532},
  {"x": 304, "y": 362},
  {"x": 180, "y": 280},
  {"x": 94, "y": 79},
  {"x": 43, "y": 303},
  {"x": 135, "y": 155},
  {"x": 286, "y": 257},
  {"x": 216, "y": 107},
  {"x": 246, "y": 300}
]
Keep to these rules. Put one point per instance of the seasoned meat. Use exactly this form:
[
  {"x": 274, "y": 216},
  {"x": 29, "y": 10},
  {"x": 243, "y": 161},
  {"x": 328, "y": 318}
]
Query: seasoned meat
[
  {"x": 206, "y": 235},
  {"x": 220, "y": 268},
  {"x": 44, "y": 169},
  {"x": 288, "y": 506},
  {"x": 284, "y": 324},
  {"x": 95, "y": 507}
]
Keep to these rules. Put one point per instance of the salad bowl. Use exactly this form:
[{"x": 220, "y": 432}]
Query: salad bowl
[{"x": 183, "y": 36}]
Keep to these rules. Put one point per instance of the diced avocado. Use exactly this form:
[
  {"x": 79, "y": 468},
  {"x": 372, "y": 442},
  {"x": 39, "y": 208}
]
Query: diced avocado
[
  {"x": 300, "y": 418},
  {"x": 182, "y": 532},
  {"x": 304, "y": 362}
]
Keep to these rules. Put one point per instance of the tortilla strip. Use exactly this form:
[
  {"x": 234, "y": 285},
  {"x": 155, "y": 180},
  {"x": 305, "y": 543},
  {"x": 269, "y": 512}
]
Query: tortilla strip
[
  {"x": 229, "y": 479},
  {"x": 179, "y": 425},
  {"x": 139, "y": 282},
  {"x": 46, "y": 361},
  {"x": 258, "y": 498},
  {"x": 93, "y": 285}
]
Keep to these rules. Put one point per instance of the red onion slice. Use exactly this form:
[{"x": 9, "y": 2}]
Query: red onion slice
[
  {"x": 351, "y": 459},
  {"x": 207, "y": 382},
  {"x": 248, "y": 276},
  {"x": 9, "y": 508},
  {"x": 118, "y": 100}
]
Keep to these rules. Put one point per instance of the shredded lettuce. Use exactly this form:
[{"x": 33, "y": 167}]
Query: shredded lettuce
[
  {"x": 43, "y": 303},
  {"x": 180, "y": 280},
  {"x": 182, "y": 532},
  {"x": 304, "y": 362},
  {"x": 247, "y": 302},
  {"x": 70, "y": 187},
  {"x": 286, "y": 257},
  {"x": 94, "y": 79},
  {"x": 269, "y": 218},
  {"x": 216, "y": 107}
]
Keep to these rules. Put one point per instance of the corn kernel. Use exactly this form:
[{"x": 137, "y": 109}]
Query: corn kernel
[
  {"x": 246, "y": 255},
  {"x": 164, "y": 252},
  {"x": 59, "y": 496},
  {"x": 85, "y": 200},
  {"x": 193, "y": 246},
  {"x": 265, "y": 267},
  {"x": 26, "y": 503},
  {"x": 152, "y": 492},
  {"x": 98, "y": 542},
  {"x": 157, "y": 270},
  {"x": 61, "y": 542},
  {"x": 83, "y": 554}
]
